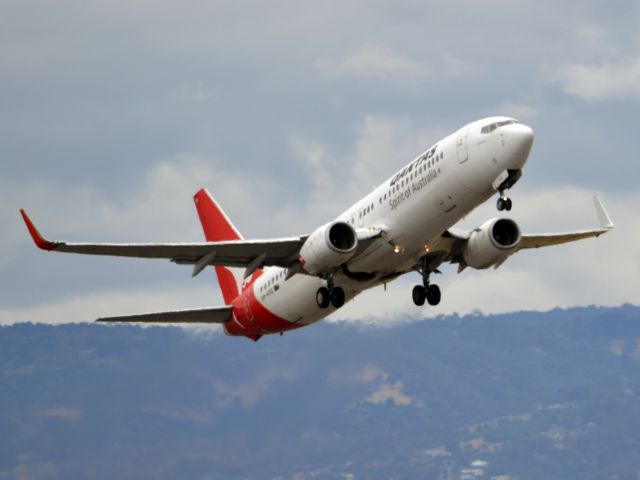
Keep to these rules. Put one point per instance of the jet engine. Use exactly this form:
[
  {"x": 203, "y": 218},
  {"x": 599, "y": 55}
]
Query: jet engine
[
  {"x": 491, "y": 243},
  {"x": 328, "y": 247}
]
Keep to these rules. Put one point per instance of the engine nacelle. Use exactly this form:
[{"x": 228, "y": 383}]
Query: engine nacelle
[
  {"x": 491, "y": 243},
  {"x": 328, "y": 247}
]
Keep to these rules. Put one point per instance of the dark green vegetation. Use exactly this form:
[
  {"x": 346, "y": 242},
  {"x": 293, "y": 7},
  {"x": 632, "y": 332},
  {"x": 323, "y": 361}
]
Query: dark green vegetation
[{"x": 553, "y": 395}]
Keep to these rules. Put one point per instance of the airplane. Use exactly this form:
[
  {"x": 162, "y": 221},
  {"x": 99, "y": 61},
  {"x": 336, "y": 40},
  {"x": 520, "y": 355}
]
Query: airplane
[{"x": 404, "y": 225}]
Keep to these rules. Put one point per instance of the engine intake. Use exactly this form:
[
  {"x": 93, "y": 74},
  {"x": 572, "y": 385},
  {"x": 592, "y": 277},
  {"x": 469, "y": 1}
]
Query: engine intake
[
  {"x": 328, "y": 247},
  {"x": 492, "y": 243}
]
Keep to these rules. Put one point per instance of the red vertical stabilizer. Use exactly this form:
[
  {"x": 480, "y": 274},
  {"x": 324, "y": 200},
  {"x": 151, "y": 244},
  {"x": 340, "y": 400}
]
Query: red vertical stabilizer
[{"x": 218, "y": 227}]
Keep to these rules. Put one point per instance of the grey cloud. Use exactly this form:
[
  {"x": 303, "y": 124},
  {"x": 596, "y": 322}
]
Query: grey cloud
[
  {"x": 113, "y": 114},
  {"x": 86, "y": 307},
  {"x": 378, "y": 64},
  {"x": 603, "y": 81},
  {"x": 382, "y": 64}
]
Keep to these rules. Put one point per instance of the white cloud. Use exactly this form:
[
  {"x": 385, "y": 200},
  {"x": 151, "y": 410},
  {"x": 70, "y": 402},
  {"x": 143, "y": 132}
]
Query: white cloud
[
  {"x": 377, "y": 63},
  {"x": 601, "y": 271},
  {"x": 67, "y": 107},
  {"x": 158, "y": 208},
  {"x": 602, "y": 81},
  {"x": 382, "y": 146},
  {"x": 520, "y": 110},
  {"x": 589, "y": 41},
  {"x": 88, "y": 307},
  {"x": 382, "y": 64}
]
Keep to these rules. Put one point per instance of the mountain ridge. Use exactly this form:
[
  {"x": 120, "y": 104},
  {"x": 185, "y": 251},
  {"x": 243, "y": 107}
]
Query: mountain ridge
[{"x": 524, "y": 395}]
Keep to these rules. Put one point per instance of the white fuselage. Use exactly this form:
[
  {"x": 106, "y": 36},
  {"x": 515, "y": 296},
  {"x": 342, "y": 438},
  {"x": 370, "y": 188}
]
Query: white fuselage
[{"x": 414, "y": 207}]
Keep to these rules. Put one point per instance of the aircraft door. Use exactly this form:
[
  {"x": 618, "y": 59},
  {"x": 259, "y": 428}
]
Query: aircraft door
[{"x": 461, "y": 146}]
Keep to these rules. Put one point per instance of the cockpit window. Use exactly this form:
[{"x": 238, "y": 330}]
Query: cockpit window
[{"x": 491, "y": 127}]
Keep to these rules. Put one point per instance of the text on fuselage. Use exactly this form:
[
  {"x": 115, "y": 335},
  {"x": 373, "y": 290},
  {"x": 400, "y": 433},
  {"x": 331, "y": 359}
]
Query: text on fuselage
[{"x": 424, "y": 164}]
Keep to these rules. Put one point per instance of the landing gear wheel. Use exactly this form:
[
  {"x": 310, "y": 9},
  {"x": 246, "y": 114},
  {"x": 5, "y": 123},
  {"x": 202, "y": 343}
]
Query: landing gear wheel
[
  {"x": 504, "y": 203},
  {"x": 323, "y": 297},
  {"x": 433, "y": 294},
  {"x": 419, "y": 294},
  {"x": 337, "y": 297}
]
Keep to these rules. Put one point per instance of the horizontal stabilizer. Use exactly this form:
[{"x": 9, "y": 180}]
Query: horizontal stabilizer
[{"x": 203, "y": 315}]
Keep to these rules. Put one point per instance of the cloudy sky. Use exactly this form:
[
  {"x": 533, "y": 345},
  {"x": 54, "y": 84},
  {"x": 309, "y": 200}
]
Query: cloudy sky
[{"x": 114, "y": 113}]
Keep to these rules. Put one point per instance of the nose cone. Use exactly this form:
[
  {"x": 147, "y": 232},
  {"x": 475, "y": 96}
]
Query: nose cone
[{"x": 519, "y": 139}]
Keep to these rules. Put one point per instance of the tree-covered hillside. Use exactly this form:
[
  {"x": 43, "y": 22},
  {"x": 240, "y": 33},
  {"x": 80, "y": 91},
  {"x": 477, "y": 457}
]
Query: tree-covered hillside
[{"x": 526, "y": 395}]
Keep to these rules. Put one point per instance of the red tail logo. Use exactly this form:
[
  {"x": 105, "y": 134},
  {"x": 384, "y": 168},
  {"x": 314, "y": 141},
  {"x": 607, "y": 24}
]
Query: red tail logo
[{"x": 217, "y": 227}]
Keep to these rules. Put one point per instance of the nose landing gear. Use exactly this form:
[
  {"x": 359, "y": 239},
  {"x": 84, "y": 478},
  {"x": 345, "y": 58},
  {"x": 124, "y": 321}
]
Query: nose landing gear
[{"x": 504, "y": 202}]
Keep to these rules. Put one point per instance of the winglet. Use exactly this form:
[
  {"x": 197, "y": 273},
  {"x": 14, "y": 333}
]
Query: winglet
[
  {"x": 38, "y": 239},
  {"x": 603, "y": 216}
]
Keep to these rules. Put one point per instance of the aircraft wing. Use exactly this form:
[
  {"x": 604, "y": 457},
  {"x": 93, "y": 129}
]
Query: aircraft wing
[
  {"x": 450, "y": 246},
  {"x": 250, "y": 254},
  {"x": 549, "y": 239},
  {"x": 231, "y": 253},
  {"x": 203, "y": 315}
]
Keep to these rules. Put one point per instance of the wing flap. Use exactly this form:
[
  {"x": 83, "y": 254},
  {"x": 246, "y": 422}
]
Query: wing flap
[{"x": 203, "y": 315}]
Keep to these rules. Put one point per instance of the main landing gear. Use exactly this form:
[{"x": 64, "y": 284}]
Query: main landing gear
[
  {"x": 426, "y": 291},
  {"x": 504, "y": 202},
  {"x": 332, "y": 295},
  {"x": 429, "y": 292}
]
